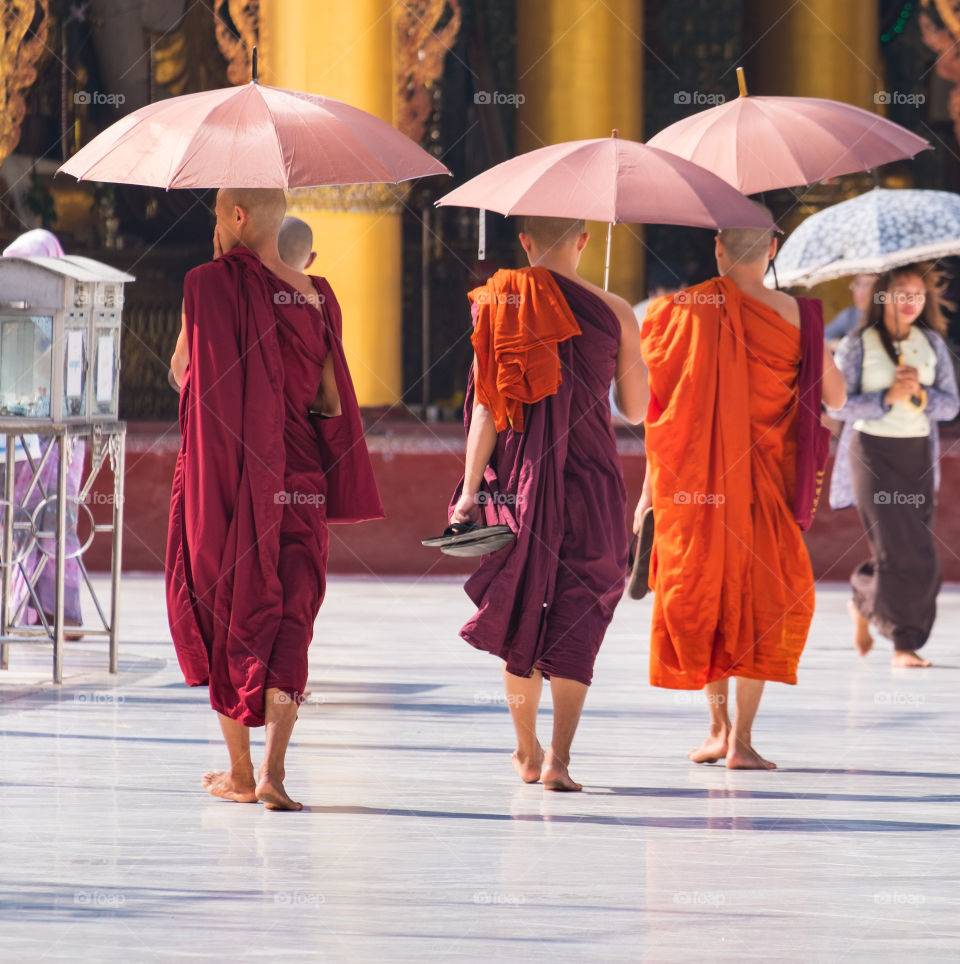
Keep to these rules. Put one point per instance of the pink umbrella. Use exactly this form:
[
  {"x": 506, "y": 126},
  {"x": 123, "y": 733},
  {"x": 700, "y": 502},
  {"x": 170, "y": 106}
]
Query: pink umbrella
[
  {"x": 609, "y": 179},
  {"x": 251, "y": 136},
  {"x": 763, "y": 143}
]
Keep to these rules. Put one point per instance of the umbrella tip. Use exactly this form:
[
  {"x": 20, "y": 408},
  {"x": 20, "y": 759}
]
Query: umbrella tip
[
  {"x": 742, "y": 82},
  {"x": 254, "y": 77}
]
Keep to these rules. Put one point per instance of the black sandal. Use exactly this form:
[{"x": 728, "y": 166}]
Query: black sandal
[{"x": 638, "y": 584}]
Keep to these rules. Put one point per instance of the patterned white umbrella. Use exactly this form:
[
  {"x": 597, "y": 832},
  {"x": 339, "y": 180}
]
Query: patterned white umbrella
[{"x": 870, "y": 234}]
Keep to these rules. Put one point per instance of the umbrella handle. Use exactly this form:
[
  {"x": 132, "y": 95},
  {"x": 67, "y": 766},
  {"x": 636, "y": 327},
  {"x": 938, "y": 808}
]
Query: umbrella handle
[
  {"x": 254, "y": 71},
  {"x": 606, "y": 265}
]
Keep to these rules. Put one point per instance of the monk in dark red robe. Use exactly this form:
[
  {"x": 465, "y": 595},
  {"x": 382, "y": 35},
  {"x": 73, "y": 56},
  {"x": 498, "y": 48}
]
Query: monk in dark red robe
[
  {"x": 735, "y": 454},
  {"x": 542, "y": 458},
  {"x": 272, "y": 452}
]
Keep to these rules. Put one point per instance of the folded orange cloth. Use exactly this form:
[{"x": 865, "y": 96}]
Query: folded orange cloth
[{"x": 521, "y": 317}]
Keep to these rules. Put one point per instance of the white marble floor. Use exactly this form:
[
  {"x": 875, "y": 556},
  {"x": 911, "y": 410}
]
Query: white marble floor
[{"x": 419, "y": 843}]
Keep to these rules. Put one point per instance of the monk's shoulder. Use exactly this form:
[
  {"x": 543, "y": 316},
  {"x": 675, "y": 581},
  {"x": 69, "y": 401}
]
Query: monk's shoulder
[
  {"x": 212, "y": 274},
  {"x": 786, "y": 306},
  {"x": 619, "y": 306}
]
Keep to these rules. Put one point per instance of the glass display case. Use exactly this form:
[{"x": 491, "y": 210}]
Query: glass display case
[
  {"x": 60, "y": 339},
  {"x": 59, "y": 404}
]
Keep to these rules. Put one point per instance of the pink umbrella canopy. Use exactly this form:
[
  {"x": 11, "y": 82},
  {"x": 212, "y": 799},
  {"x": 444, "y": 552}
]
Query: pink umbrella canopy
[
  {"x": 763, "y": 143},
  {"x": 609, "y": 179},
  {"x": 251, "y": 136}
]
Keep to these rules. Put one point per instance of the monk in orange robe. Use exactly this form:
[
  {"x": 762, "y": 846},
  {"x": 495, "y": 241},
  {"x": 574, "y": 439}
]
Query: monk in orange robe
[{"x": 726, "y": 438}]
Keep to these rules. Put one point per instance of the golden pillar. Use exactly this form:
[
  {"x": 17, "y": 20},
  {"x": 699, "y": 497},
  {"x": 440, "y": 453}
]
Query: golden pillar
[
  {"x": 818, "y": 48},
  {"x": 345, "y": 51},
  {"x": 579, "y": 69}
]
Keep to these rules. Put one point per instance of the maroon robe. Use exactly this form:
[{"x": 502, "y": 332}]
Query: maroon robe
[
  {"x": 256, "y": 482},
  {"x": 545, "y": 601}
]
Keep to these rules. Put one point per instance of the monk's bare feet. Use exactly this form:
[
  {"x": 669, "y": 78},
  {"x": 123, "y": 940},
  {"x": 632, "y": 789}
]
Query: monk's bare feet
[
  {"x": 861, "y": 630},
  {"x": 528, "y": 769},
  {"x": 221, "y": 783},
  {"x": 271, "y": 794},
  {"x": 713, "y": 748},
  {"x": 742, "y": 756},
  {"x": 555, "y": 775},
  {"x": 908, "y": 658}
]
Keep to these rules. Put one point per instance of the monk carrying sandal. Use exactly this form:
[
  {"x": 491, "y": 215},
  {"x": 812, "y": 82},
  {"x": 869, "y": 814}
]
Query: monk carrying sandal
[{"x": 470, "y": 539}]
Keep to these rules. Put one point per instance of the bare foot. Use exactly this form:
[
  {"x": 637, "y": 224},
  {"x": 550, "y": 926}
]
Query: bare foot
[
  {"x": 907, "y": 657},
  {"x": 861, "y": 631},
  {"x": 223, "y": 784},
  {"x": 270, "y": 793},
  {"x": 555, "y": 776},
  {"x": 713, "y": 748},
  {"x": 528, "y": 770},
  {"x": 744, "y": 757}
]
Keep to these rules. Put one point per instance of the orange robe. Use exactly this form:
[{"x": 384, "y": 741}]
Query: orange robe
[
  {"x": 733, "y": 587},
  {"x": 521, "y": 317}
]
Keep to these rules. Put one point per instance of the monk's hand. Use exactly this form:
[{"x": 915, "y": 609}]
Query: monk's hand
[
  {"x": 642, "y": 506},
  {"x": 467, "y": 508},
  {"x": 217, "y": 247}
]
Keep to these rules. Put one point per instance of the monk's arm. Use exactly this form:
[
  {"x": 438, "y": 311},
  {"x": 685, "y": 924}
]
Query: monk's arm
[
  {"x": 327, "y": 400},
  {"x": 481, "y": 441},
  {"x": 834, "y": 386},
  {"x": 631, "y": 391},
  {"x": 181, "y": 354}
]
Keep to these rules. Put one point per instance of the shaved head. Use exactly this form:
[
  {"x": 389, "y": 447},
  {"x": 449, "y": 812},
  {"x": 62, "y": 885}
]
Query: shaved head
[
  {"x": 295, "y": 243},
  {"x": 549, "y": 232},
  {"x": 265, "y": 206},
  {"x": 746, "y": 245}
]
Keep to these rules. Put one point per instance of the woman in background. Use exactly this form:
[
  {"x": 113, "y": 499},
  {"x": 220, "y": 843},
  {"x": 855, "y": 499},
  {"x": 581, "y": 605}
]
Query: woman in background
[{"x": 900, "y": 383}]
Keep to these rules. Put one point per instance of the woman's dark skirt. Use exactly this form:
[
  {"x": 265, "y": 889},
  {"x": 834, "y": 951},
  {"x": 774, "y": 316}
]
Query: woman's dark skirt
[{"x": 897, "y": 589}]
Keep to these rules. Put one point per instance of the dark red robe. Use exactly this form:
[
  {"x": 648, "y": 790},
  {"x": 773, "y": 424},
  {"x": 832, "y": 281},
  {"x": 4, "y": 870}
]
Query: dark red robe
[
  {"x": 545, "y": 602},
  {"x": 257, "y": 480}
]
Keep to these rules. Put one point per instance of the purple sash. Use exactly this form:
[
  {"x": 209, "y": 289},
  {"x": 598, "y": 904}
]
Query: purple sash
[{"x": 813, "y": 439}]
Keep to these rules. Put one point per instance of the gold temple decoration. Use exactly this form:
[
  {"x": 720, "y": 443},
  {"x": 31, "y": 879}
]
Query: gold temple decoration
[
  {"x": 24, "y": 25},
  {"x": 186, "y": 60},
  {"x": 238, "y": 31},
  {"x": 380, "y": 198},
  {"x": 945, "y": 43},
  {"x": 419, "y": 52}
]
